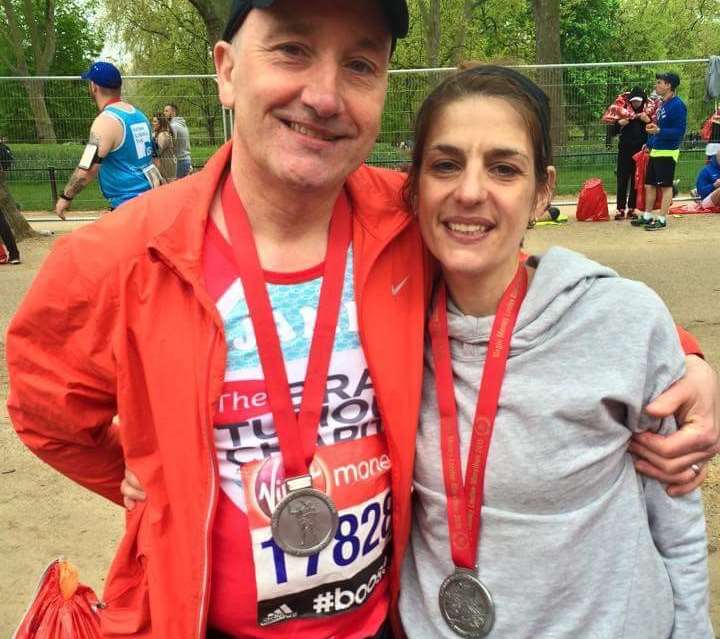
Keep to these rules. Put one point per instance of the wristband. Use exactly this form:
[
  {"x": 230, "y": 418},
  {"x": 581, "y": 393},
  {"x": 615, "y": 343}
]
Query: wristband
[{"x": 65, "y": 197}]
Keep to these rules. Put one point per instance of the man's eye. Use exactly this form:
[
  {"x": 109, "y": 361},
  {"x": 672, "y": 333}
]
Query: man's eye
[
  {"x": 361, "y": 66},
  {"x": 291, "y": 49}
]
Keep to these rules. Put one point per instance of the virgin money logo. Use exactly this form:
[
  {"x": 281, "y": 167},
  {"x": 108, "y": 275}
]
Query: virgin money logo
[
  {"x": 241, "y": 401},
  {"x": 270, "y": 482}
]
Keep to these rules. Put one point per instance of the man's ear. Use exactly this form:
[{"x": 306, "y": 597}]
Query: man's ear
[{"x": 224, "y": 56}]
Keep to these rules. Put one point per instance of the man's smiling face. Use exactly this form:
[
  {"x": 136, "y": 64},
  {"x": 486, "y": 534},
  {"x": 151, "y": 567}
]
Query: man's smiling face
[{"x": 308, "y": 86}]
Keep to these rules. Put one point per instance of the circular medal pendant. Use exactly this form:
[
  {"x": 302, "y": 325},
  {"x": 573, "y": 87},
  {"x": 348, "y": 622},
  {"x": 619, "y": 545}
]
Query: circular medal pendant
[
  {"x": 305, "y": 521},
  {"x": 466, "y": 604}
]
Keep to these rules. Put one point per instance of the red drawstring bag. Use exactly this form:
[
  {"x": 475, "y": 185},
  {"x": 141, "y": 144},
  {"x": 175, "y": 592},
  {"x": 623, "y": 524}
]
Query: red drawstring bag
[
  {"x": 62, "y": 608},
  {"x": 592, "y": 203},
  {"x": 3, "y": 254},
  {"x": 642, "y": 159}
]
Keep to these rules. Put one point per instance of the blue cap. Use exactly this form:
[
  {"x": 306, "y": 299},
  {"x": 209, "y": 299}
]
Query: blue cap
[{"x": 104, "y": 74}]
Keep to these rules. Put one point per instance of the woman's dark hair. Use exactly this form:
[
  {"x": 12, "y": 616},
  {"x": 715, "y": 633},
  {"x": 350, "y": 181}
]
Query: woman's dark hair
[
  {"x": 163, "y": 123},
  {"x": 491, "y": 81}
]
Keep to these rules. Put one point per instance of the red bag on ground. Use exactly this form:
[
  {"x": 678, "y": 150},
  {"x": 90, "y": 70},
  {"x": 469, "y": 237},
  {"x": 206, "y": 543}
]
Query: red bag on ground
[
  {"x": 706, "y": 131},
  {"x": 642, "y": 159},
  {"x": 62, "y": 608},
  {"x": 592, "y": 203},
  {"x": 3, "y": 254}
]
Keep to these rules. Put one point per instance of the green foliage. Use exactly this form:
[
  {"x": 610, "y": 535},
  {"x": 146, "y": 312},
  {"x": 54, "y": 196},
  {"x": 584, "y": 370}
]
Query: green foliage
[
  {"x": 77, "y": 44},
  {"x": 169, "y": 37}
]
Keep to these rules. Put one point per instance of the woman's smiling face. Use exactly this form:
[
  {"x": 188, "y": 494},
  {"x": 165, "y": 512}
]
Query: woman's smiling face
[{"x": 477, "y": 187}]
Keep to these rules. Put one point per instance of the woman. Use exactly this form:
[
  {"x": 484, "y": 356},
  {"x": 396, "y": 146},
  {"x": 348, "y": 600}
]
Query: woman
[
  {"x": 560, "y": 537},
  {"x": 632, "y": 137},
  {"x": 165, "y": 159}
]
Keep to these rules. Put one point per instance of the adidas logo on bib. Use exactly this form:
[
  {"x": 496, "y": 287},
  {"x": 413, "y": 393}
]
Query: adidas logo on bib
[{"x": 279, "y": 614}]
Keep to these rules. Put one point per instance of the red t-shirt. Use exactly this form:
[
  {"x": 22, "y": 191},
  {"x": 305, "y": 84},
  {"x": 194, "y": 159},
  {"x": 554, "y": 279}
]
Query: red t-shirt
[{"x": 257, "y": 590}]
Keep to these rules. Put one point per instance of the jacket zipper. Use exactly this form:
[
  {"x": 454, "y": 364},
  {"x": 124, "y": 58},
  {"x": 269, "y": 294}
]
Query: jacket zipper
[{"x": 210, "y": 515}]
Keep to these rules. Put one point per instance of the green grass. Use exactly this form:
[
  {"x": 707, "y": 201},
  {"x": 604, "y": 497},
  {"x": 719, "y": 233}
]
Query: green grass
[{"x": 30, "y": 186}]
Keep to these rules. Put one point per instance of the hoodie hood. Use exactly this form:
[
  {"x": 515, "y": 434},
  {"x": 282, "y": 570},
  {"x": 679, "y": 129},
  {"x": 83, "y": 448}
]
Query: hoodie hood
[
  {"x": 179, "y": 120},
  {"x": 562, "y": 277}
]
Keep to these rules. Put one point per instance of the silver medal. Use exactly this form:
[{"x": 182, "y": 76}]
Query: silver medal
[
  {"x": 466, "y": 604},
  {"x": 306, "y": 520}
]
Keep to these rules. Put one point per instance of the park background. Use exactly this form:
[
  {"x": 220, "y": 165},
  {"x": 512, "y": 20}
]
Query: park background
[{"x": 582, "y": 52}]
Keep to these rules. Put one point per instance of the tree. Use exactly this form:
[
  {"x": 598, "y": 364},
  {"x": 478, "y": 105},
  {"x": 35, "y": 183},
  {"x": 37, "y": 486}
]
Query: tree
[
  {"x": 168, "y": 36},
  {"x": 31, "y": 36},
  {"x": 19, "y": 225},
  {"x": 547, "y": 51},
  {"x": 214, "y": 14}
]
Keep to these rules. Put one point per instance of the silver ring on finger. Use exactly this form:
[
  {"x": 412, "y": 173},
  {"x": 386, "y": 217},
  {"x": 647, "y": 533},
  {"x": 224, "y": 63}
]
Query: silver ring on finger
[{"x": 696, "y": 468}]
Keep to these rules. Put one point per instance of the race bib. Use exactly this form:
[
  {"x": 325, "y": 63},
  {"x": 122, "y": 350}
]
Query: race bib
[
  {"x": 142, "y": 138},
  {"x": 153, "y": 176},
  {"x": 356, "y": 476}
]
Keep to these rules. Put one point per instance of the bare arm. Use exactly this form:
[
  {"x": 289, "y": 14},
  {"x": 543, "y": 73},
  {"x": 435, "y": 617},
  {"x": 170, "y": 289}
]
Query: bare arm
[{"x": 105, "y": 133}]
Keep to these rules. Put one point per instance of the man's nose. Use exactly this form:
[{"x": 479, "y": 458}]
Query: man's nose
[{"x": 322, "y": 92}]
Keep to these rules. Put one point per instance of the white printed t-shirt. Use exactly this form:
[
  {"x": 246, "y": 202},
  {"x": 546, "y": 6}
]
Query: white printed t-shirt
[{"x": 258, "y": 590}]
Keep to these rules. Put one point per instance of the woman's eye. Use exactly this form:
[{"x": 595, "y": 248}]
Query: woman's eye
[
  {"x": 443, "y": 166},
  {"x": 506, "y": 170}
]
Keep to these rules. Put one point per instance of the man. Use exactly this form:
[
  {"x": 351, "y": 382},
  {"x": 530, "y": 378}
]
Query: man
[
  {"x": 119, "y": 148},
  {"x": 182, "y": 140},
  {"x": 246, "y": 340},
  {"x": 664, "y": 145}
]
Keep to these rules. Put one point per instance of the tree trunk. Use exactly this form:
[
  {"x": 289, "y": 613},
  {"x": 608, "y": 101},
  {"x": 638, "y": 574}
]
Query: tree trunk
[
  {"x": 43, "y": 124},
  {"x": 214, "y": 14},
  {"x": 430, "y": 15},
  {"x": 547, "y": 51},
  {"x": 19, "y": 225}
]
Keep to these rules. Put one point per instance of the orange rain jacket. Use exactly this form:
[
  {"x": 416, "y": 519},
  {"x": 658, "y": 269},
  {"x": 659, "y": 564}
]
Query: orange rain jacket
[{"x": 118, "y": 322}]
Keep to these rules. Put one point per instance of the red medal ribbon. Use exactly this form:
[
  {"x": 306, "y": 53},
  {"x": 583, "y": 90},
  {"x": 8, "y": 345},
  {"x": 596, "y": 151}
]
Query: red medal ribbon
[
  {"x": 464, "y": 499},
  {"x": 297, "y": 434}
]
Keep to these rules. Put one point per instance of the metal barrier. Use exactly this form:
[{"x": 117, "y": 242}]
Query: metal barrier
[{"x": 583, "y": 147}]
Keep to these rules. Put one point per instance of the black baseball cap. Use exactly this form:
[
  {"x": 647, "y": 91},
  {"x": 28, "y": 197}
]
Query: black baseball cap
[
  {"x": 395, "y": 10},
  {"x": 673, "y": 79}
]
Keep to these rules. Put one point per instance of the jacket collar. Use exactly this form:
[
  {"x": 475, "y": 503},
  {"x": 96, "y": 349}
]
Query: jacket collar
[{"x": 377, "y": 207}]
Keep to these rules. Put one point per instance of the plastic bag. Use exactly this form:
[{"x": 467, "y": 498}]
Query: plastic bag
[
  {"x": 62, "y": 607},
  {"x": 642, "y": 159},
  {"x": 592, "y": 203}
]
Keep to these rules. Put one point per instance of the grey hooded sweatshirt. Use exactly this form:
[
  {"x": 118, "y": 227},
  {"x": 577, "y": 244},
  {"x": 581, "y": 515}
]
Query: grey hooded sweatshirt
[
  {"x": 182, "y": 138},
  {"x": 573, "y": 543}
]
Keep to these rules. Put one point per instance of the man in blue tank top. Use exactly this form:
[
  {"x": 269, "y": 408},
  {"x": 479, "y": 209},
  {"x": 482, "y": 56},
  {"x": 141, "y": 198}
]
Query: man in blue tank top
[{"x": 119, "y": 148}]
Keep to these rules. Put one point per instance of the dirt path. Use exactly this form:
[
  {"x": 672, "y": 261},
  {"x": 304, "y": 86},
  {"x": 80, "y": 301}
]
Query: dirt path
[{"x": 44, "y": 515}]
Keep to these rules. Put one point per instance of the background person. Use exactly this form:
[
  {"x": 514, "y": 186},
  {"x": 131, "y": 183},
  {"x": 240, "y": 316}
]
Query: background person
[
  {"x": 165, "y": 158},
  {"x": 6, "y": 234},
  {"x": 708, "y": 180},
  {"x": 182, "y": 140},
  {"x": 119, "y": 148},
  {"x": 664, "y": 144},
  {"x": 632, "y": 138},
  {"x": 552, "y": 478}
]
